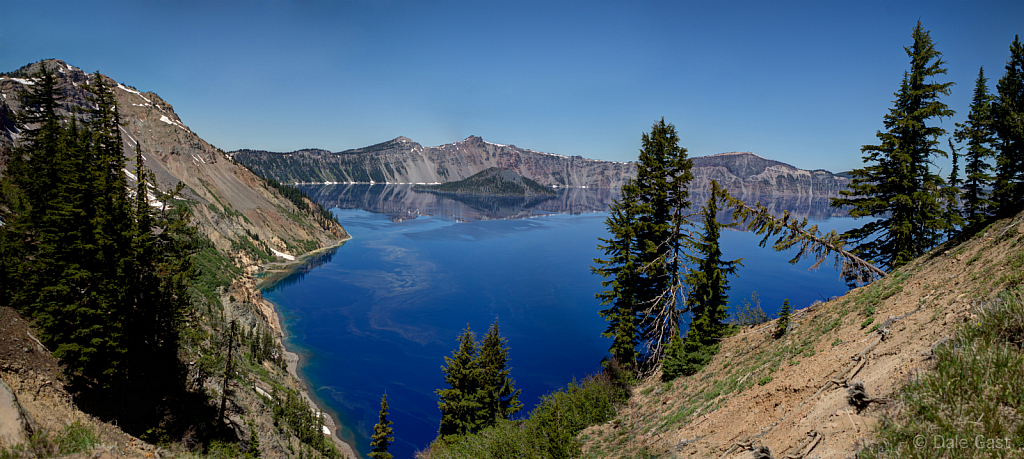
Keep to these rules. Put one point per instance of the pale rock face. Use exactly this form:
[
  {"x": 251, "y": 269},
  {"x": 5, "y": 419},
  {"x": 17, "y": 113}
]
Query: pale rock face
[{"x": 15, "y": 425}]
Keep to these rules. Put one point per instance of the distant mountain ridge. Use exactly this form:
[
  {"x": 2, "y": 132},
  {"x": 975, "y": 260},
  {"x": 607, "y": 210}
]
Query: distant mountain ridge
[
  {"x": 747, "y": 174},
  {"x": 402, "y": 160}
]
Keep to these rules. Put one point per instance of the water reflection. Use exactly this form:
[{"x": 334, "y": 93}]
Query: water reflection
[
  {"x": 401, "y": 202},
  {"x": 273, "y": 280}
]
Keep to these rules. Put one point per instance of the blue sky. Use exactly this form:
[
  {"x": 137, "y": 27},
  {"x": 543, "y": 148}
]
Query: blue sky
[{"x": 802, "y": 82}]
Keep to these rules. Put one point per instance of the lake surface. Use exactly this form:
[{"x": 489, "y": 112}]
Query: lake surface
[{"x": 381, "y": 312}]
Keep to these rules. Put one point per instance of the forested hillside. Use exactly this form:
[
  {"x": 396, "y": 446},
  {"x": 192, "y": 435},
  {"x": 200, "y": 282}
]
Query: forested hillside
[
  {"x": 492, "y": 182},
  {"x": 129, "y": 244}
]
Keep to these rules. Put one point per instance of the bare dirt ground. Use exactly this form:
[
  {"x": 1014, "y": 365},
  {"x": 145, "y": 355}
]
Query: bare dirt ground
[
  {"x": 790, "y": 394},
  {"x": 34, "y": 376}
]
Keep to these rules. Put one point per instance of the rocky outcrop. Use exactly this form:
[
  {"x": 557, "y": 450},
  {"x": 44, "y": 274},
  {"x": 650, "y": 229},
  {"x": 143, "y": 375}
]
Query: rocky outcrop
[
  {"x": 15, "y": 423},
  {"x": 403, "y": 161}
]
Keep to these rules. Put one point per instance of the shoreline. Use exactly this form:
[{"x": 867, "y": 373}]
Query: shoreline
[{"x": 294, "y": 359}]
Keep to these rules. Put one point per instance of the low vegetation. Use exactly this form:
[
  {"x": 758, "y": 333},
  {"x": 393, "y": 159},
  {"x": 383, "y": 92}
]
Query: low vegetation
[
  {"x": 549, "y": 432},
  {"x": 971, "y": 403},
  {"x": 73, "y": 438}
]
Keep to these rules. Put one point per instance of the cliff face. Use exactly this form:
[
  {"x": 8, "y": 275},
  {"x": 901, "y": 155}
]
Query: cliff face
[
  {"x": 746, "y": 174},
  {"x": 403, "y": 161},
  {"x": 233, "y": 204}
]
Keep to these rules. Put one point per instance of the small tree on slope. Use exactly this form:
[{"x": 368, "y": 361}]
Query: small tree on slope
[
  {"x": 382, "y": 433},
  {"x": 460, "y": 403}
]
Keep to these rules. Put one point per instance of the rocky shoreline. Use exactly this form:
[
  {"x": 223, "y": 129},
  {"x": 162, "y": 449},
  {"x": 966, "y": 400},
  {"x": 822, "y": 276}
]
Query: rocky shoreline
[{"x": 271, "y": 313}]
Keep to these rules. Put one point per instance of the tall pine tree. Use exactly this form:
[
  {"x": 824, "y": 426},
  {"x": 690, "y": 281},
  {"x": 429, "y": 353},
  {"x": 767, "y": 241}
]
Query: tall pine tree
[
  {"x": 897, "y": 186},
  {"x": 643, "y": 254},
  {"x": 708, "y": 280},
  {"x": 382, "y": 433},
  {"x": 460, "y": 402},
  {"x": 500, "y": 398},
  {"x": 1008, "y": 121},
  {"x": 979, "y": 134},
  {"x": 620, "y": 268}
]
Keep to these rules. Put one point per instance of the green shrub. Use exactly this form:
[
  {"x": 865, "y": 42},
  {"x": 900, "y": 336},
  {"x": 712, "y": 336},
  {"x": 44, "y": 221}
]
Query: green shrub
[
  {"x": 72, "y": 439},
  {"x": 551, "y": 430},
  {"x": 749, "y": 313}
]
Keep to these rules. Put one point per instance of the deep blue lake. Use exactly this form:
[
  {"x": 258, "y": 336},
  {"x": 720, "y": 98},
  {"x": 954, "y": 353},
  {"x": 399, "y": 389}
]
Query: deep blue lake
[{"x": 381, "y": 312}]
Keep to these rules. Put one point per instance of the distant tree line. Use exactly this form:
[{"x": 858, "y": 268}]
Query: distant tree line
[
  {"x": 491, "y": 182},
  {"x": 304, "y": 203}
]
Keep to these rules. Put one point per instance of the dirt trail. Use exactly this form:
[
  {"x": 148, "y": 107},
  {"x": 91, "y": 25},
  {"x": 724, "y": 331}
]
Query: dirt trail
[{"x": 791, "y": 394}]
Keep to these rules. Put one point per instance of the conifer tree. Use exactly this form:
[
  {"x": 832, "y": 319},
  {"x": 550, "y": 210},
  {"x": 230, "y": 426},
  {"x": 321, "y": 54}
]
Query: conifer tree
[
  {"x": 460, "y": 403},
  {"x": 674, "y": 364},
  {"x": 708, "y": 280},
  {"x": 621, "y": 270},
  {"x": 1008, "y": 121},
  {"x": 979, "y": 134},
  {"x": 500, "y": 398},
  {"x": 897, "y": 185},
  {"x": 382, "y": 433},
  {"x": 643, "y": 264},
  {"x": 783, "y": 324},
  {"x": 102, "y": 274}
]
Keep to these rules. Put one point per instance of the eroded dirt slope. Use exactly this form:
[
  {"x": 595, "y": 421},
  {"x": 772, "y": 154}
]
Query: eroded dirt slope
[{"x": 790, "y": 394}]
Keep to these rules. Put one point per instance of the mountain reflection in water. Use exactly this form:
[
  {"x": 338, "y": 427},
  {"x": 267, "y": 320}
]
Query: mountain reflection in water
[{"x": 401, "y": 202}]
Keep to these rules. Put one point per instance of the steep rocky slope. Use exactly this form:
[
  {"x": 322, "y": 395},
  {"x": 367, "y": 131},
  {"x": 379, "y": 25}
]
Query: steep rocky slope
[
  {"x": 790, "y": 394},
  {"x": 234, "y": 205},
  {"x": 247, "y": 221},
  {"x": 403, "y": 161}
]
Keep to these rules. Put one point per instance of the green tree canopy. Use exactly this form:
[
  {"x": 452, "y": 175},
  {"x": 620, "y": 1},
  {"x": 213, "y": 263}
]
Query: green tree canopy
[
  {"x": 382, "y": 433},
  {"x": 643, "y": 254},
  {"x": 1008, "y": 121},
  {"x": 460, "y": 402},
  {"x": 979, "y": 133},
  {"x": 897, "y": 186},
  {"x": 102, "y": 272}
]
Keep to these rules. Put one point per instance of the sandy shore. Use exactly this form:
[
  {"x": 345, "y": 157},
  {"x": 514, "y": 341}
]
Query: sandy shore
[
  {"x": 346, "y": 449},
  {"x": 282, "y": 269}
]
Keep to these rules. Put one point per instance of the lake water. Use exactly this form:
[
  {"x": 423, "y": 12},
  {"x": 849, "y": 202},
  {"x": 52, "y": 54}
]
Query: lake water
[{"x": 381, "y": 312}]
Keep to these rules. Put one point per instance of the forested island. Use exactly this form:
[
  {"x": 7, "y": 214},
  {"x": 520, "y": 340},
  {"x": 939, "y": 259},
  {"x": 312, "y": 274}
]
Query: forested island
[{"x": 492, "y": 182}]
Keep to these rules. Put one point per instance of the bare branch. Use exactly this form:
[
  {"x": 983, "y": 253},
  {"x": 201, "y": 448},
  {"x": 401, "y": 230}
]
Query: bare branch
[{"x": 810, "y": 240}]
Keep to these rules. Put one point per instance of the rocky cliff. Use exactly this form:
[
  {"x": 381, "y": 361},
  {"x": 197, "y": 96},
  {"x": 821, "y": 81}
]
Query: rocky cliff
[
  {"x": 232, "y": 204},
  {"x": 403, "y": 161},
  {"x": 746, "y": 174}
]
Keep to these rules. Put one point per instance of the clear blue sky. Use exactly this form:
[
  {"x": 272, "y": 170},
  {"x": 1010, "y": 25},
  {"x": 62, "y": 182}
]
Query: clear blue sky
[{"x": 802, "y": 82}]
